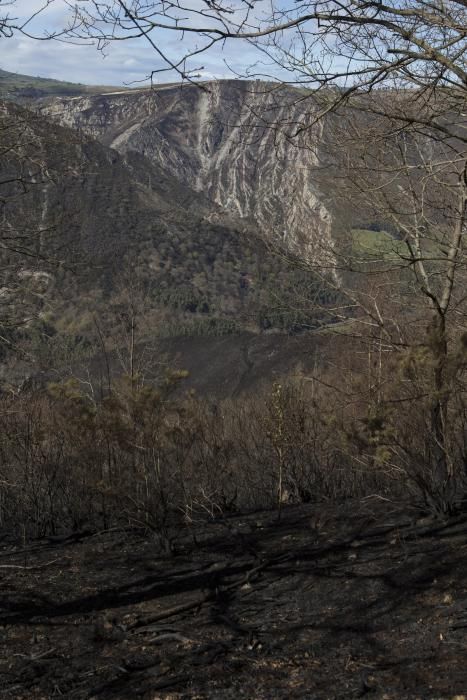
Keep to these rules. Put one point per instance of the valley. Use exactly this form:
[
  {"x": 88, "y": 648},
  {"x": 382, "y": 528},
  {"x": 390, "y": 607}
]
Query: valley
[
  {"x": 195, "y": 209},
  {"x": 233, "y": 355}
]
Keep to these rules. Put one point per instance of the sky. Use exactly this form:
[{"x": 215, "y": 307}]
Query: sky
[{"x": 123, "y": 63}]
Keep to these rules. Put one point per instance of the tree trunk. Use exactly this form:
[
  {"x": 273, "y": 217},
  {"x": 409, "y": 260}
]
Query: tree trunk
[{"x": 442, "y": 476}]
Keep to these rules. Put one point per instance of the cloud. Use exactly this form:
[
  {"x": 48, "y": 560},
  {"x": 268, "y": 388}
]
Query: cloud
[
  {"x": 38, "y": 16},
  {"x": 83, "y": 64},
  {"x": 122, "y": 62}
]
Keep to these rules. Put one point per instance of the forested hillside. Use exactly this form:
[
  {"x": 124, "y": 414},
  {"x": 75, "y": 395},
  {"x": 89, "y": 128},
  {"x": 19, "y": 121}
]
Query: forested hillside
[{"x": 85, "y": 216}]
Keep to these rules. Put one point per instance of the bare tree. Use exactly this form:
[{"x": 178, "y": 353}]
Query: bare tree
[
  {"x": 408, "y": 289},
  {"x": 360, "y": 43},
  {"x": 24, "y": 241}
]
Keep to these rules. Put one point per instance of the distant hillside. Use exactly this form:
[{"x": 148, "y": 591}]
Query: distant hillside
[
  {"x": 238, "y": 143},
  {"x": 219, "y": 141},
  {"x": 89, "y": 215},
  {"x": 21, "y": 88}
]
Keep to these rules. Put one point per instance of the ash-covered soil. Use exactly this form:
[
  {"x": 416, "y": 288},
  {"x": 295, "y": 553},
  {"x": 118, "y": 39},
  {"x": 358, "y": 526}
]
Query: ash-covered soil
[{"x": 347, "y": 602}]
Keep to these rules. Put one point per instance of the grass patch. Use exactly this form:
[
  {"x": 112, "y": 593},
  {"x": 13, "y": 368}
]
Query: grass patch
[{"x": 376, "y": 245}]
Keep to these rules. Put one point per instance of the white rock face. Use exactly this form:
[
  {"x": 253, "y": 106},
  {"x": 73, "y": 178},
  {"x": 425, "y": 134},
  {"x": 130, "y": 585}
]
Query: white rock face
[{"x": 223, "y": 141}]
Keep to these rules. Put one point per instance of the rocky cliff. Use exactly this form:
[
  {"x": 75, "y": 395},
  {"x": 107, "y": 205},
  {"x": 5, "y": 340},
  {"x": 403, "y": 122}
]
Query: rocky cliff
[{"x": 223, "y": 140}]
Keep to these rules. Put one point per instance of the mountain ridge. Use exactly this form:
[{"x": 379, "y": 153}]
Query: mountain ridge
[
  {"x": 224, "y": 142},
  {"x": 24, "y": 89},
  {"x": 93, "y": 213}
]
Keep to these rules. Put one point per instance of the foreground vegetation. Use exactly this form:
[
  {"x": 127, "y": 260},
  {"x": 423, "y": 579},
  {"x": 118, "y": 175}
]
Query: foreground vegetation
[{"x": 83, "y": 454}]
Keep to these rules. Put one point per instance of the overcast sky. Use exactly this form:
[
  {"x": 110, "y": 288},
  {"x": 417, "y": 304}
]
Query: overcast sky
[{"x": 123, "y": 62}]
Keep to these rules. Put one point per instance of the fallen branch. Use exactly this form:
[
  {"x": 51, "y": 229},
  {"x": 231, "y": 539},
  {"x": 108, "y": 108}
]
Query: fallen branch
[
  {"x": 28, "y": 568},
  {"x": 170, "y": 612},
  {"x": 37, "y": 657},
  {"x": 172, "y": 636}
]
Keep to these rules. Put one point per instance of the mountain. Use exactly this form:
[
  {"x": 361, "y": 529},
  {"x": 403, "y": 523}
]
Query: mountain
[
  {"x": 221, "y": 139},
  {"x": 25, "y": 88},
  {"x": 84, "y": 223}
]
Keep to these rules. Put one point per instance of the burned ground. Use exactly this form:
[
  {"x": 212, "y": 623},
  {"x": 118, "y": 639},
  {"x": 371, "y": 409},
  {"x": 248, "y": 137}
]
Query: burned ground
[{"x": 347, "y": 602}]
